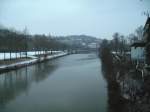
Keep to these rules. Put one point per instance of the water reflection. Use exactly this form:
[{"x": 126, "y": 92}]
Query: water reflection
[
  {"x": 16, "y": 82},
  {"x": 70, "y": 84}
]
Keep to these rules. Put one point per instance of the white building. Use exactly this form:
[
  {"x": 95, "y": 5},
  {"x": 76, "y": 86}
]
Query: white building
[
  {"x": 93, "y": 45},
  {"x": 138, "y": 52}
]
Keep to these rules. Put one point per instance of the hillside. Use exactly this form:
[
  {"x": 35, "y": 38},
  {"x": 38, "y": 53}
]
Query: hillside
[{"x": 80, "y": 41}]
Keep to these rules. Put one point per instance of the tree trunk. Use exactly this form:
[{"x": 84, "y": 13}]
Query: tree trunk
[
  {"x": 26, "y": 54},
  {"x": 4, "y": 56},
  {"x": 20, "y": 54},
  {"x": 10, "y": 55},
  {"x": 16, "y": 54}
]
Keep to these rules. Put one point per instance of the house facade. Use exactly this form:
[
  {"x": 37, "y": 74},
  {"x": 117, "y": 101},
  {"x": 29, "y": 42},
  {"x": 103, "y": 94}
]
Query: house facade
[
  {"x": 138, "y": 52},
  {"x": 146, "y": 36}
]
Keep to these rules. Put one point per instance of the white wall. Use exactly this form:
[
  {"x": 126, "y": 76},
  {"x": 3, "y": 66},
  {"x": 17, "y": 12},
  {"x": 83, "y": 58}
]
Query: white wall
[{"x": 137, "y": 53}]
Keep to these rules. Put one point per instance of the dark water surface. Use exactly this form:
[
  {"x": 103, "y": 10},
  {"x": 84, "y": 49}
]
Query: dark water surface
[{"x": 69, "y": 84}]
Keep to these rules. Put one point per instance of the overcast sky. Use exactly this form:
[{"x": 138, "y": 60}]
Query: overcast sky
[{"x": 100, "y": 18}]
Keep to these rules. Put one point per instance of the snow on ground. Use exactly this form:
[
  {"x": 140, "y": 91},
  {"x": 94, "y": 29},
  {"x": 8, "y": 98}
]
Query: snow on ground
[
  {"x": 59, "y": 54},
  {"x": 29, "y": 54}
]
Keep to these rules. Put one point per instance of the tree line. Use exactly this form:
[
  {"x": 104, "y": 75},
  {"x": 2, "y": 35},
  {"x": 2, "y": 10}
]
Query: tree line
[
  {"x": 14, "y": 41},
  {"x": 120, "y": 43}
]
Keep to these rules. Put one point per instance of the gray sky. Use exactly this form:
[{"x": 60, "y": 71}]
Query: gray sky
[{"x": 100, "y": 18}]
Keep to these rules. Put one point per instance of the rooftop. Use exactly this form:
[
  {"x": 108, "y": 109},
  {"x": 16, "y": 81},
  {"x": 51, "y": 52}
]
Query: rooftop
[
  {"x": 138, "y": 44},
  {"x": 147, "y": 22}
]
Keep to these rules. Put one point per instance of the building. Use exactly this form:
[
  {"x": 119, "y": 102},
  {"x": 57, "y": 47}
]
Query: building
[
  {"x": 146, "y": 34},
  {"x": 146, "y": 38},
  {"x": 93, "y": 45},
  {"x": 138, "y": 52}
]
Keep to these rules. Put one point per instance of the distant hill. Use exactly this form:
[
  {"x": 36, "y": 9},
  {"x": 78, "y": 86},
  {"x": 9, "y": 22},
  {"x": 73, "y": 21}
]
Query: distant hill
[{"x": 79, "y": 41}]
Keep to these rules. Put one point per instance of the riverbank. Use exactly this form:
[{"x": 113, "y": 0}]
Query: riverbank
[
  {"x": 134, "y": 87},
  {"x": 130, "y": 86},
  {"x": 33, "y": 60}
]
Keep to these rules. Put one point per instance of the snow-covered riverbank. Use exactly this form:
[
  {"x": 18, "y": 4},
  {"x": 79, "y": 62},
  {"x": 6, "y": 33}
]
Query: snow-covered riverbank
[
  {"x": 7, "y": 55},
  {"x": 30, "y": 62}
]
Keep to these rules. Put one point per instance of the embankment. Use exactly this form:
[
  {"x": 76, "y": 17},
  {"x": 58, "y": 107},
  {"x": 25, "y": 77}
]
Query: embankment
[{"x": 14, "y": 66}]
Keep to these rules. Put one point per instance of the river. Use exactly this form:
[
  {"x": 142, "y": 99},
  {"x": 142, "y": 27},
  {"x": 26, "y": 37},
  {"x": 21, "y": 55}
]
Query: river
[{"x": 73, "y": 83}]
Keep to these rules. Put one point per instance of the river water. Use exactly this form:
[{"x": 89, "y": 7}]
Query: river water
[{"x": 73, "y": 83}]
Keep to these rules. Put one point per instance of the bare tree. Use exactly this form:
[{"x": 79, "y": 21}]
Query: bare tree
[
  {"x": 25, "y": 33},
  {"x": 132, "y": 38},
  {"x": 139, "y": 33},
  {"x": 116, "y": 41}
]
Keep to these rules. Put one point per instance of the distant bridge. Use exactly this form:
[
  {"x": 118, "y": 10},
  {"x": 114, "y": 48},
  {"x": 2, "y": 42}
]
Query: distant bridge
[{"x": 83, "y": 51}]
